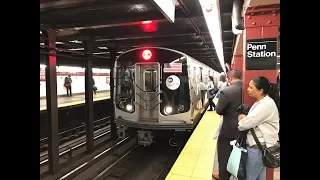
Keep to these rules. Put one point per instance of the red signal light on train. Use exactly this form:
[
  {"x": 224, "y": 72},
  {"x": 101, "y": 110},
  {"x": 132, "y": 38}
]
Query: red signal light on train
[{"x": 146, "y": 54}]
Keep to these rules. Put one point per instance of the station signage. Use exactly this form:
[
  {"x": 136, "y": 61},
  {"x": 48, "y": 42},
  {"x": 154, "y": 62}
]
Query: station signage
[{"x": 261, "y": 54}]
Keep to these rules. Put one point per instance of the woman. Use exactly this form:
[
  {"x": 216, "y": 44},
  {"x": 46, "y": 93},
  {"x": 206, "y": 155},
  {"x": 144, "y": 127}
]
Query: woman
[
  {"x": 263, "y": 117},
  {"x": 210, "y": 96},
  {"x": 223, "y": 82}
]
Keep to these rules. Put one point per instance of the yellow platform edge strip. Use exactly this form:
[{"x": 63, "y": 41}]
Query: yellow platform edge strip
[{"x": 196, "y": 160}]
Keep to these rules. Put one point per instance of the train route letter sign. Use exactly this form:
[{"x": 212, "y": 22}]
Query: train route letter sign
[{"x": 261, "y": 54}]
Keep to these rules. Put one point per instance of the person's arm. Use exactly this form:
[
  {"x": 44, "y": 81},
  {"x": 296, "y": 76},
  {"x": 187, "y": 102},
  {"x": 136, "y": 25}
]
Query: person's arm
[
  {"x": 254, "y": 118},
  {"x": 222, "y": 103}
]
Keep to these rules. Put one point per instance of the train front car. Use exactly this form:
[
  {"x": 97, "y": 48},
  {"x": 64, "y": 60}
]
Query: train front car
[{"x": 152, "y": 92}]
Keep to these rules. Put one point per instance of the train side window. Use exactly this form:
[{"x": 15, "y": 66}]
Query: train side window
[
  {"x": 201, "y": 78},
  {"x": 194, "y": 77},
  {"x": 150, "y": 76}
]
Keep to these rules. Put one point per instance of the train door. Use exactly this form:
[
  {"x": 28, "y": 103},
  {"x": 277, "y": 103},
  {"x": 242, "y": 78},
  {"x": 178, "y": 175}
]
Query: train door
[{"x": 147, "y": 88}]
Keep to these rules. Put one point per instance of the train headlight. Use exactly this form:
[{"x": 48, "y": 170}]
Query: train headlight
[
  {"x": 180, "y": 107},
  {"x": 121, "y": 104},
  {"x": 129, "y": 107},
  {"x": 167, "y": 110}
]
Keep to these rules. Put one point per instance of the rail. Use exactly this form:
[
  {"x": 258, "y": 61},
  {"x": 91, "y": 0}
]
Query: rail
[{"x": 43, "y": 140}]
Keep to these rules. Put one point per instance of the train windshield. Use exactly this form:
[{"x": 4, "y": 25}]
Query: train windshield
[{"x": 125, "y": 82}]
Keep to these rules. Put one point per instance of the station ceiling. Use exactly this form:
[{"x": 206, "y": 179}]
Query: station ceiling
[{"x": 127, "y": 24}]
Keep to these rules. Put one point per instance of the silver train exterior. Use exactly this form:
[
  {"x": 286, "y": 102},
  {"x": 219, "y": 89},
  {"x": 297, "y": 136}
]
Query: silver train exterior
[{"x": 158, "y": 89}]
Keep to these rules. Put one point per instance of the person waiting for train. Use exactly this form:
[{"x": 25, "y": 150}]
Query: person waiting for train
[
  {"x": 67, "y": 84},
  {"x": 202, "y": 91},
  {"x": 263, "y": 117},
  {"x": 94, "y": 87},
  {"x": 230, "y": 99},
  {"x": 222, "y": 82},
  {"x": 210, "y": 93}
]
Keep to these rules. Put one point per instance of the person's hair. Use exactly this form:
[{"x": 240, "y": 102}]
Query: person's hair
[
  {"x": 270, "y": 89},
  {"x": 235, "y": 74},
  {"x": 211, "y": 78},
  {"x": 223, "y": 78}
]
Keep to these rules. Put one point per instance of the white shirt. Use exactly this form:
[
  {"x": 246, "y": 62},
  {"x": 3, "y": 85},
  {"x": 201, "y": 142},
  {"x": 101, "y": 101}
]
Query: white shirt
[
  {"x": 264, "y": 118},
  {"x": 210, "y": 86},
  {"x": 221, "y": 84}
]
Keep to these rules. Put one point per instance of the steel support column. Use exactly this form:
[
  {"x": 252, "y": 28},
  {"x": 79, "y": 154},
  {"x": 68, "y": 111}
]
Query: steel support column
[
  {"x": 52, "y": 104},
  {"x": 238, "y": 62},
  {"x": 260, "y": 22},
  {"x": 88, "y": 94},
  {"x": 113, "y": 53}
]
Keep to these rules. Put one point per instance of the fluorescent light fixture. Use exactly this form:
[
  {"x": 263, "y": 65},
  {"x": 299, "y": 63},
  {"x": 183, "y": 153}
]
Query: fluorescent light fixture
[
  {"x": 102, "y": 47},
  {"x": 101, "y": 53},
  {"x": 211, "y": 13},
  {"x": 278, "y": 56},
  {"x": 56, "y": 43},
  {"x": 75, "y": 41},
  {"x": 278, "y": 63},
  {"x": 76, "y": 49}
]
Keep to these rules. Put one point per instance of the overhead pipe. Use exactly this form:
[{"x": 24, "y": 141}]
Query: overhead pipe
[
  {"x": 237, "y": 23},
  {"x": 193, "y": 23}
]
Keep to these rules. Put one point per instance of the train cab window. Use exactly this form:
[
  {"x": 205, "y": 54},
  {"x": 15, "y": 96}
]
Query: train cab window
[
  {"x": 150, "y": 76},
  {"x": 125, "y": 81}
]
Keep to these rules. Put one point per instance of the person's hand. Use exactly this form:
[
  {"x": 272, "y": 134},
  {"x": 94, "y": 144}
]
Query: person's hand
[{"x": 241, "y": 116}]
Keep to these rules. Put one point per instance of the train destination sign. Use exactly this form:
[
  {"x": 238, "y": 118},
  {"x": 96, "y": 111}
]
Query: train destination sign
[{"x": 261, "y": 54}]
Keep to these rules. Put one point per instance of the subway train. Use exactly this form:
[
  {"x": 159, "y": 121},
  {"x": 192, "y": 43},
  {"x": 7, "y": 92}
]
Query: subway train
[{"x": 158, "y": 90}]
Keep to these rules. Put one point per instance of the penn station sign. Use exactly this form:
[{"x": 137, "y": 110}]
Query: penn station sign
[{"x": 261, "y": 54}]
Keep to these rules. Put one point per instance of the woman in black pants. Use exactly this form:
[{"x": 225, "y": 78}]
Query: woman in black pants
[{"x": 210, "y": 95}]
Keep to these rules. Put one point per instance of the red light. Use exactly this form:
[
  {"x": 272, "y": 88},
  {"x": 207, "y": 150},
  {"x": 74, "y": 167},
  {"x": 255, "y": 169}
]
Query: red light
[
  {"x": 149, "y": 26},
  {"x": 146, "y": 54},
  {"x": 146, "y": 22}
]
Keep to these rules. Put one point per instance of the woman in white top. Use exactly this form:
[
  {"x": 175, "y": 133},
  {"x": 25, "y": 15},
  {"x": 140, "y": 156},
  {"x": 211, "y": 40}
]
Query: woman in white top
[
  {"x": 263, "y": 117},
  {"x": 223, "y": 82}
]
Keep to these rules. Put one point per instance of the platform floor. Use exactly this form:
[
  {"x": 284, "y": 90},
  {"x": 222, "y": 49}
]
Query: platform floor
[
  {"x": 196, "y": 161},
  {"x": 75, "y": 99}
]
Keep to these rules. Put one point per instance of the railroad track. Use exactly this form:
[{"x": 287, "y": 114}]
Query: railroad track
[
  {"x": 151, "y": 163},
  {"x": 74, "y": 133},
  {"x": 111, "y": 151},
  {"x": 73, "y": 145}
]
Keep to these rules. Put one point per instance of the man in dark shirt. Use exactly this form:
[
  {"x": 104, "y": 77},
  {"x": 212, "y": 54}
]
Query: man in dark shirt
[{"x": 230, "y": 99}]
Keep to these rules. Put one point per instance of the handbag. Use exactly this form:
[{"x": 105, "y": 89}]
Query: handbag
[
  {"x": 238, "y": 158},
  {"x": 214, "y": 90},
  {"x": 271, "y": 155}
]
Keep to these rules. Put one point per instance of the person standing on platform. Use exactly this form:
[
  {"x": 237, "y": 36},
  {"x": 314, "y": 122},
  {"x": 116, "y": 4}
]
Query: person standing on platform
[
  {"x": 263, "y": 117},
  {"x": 94, "y": 87},
  {"x": 210, "y": 95},
  {"x": 223, "y": 82},
  {"x": 230, "y": 99},
  {"x": 67, "y": 84},
  {"x": 203, "y": 91}
]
